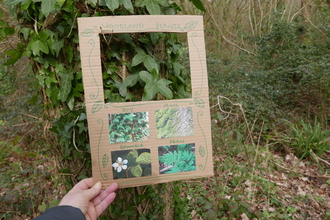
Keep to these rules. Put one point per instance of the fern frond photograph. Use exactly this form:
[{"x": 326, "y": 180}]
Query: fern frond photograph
[{"x": 176, "y": 158}]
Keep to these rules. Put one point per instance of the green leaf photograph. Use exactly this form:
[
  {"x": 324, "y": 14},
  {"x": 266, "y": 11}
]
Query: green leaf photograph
[
  {"x": 131, "y": 163},
  {"x": 176, "y": 158},
  {"x": 176, "y": 122},
  {"x": 128, "y": 127}
]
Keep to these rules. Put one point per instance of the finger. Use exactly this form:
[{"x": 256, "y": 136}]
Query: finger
[
  {"x": 83, "y": 185},
  {"x": 99, "y": 209},
  {"x": 113, "y": 187},
  {"x": 93, "y": 192}
]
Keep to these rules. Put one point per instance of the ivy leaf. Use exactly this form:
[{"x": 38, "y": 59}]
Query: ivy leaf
[
  {"x": 66, "y": 85},
  {"x": 152, "y": 7},
  {"x": 123, "y": 90},
  {"x": 128, "y": 5},
  {"x": 154, "y": 37},
  {"x": 69, "y": 52},
  {"x": 131, "y": 80},
  {"x": 163, "y": 89},
  {"x": 47, "y": 6},
  {"x": 112, "y": 4},
  {"x": 15, "y": 55},
  {"x": 145, "y": 76},
  {"x": 38, "y": 46},
  {"x": 92, "y": 2},
  {"x": 198, "y": 4},
  {"x": 61, "y": 2},
  {"x": 26, "y": 32},
  {"x": 144, "y": 158},
  {"x": 136, "y": 170},
  {"x": 177, "y": 68},
  {"x": 139, "y": 57},
  {"x": 57, "y": 46},
  {"x": 50, "y": 79},
  {"x": 150, "y": 90},
  {"x": 150, "y": 63}
]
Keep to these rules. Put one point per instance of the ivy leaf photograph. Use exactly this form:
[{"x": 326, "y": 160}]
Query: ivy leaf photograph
[{"x": 128, "y": 127}]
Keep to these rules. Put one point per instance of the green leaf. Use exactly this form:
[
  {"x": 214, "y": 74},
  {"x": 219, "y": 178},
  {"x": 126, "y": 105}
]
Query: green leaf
[
  {"x": 131, "y": 156},
  {"x": 26, "y": 32},
  {"x": 198, "y": 4},
  {"x": 112, "y": 4},
  {"x": 150, "y": 63},
  {"x": 47, "y": 6},
  {"x": 177, "y": 68},
  {"x": 146, "y": 76},
  {"x": 144, "y": 158},
  {"x": 128, "y": 5},
  {"x": 9, "y": 31},
  {"x": 69, "y": 52},
  {"x": 139, "y": 57},
  {"x": 150, "y": 90},
  {"x": 165, "y": 91},
  {"x": 123, "y": 90},
  {"x": 136, "y": 170},
  {"x": 42, "y": 207},
  {"x": 131, "y": 80},
  {"x": 66, "y": 84},
  {"x": 38, "y": 46},
  {"x": 154, "y": 37},
  {"x": 50, "y": 79},
  {"x": 61, "y": 2},
  {"x": 57, "y": 46},
  {"x": 15, "y": 55},
  {"x": 164, "y": 82},
  {"x": 152, "y": 7}
]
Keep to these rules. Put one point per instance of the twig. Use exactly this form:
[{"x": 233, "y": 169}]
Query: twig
[
  {"x": 74, "y": 138},
  {"x": 319, "y": 159},
  {"x": 31, "y": 116}
]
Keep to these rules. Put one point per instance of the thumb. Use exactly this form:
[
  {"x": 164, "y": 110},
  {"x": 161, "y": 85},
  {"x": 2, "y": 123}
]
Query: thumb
[{"x": 94, "y": 191}]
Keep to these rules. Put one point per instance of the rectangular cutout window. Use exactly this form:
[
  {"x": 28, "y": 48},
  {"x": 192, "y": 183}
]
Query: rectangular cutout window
[{"x": 145, "y": 66}]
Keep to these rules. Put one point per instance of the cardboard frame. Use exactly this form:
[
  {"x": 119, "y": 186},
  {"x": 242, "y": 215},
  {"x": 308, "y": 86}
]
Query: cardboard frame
[{"x": 98, "y": 111}]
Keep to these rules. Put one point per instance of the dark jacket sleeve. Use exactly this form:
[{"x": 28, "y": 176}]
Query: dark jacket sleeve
[{"x": 62, "y": 213}]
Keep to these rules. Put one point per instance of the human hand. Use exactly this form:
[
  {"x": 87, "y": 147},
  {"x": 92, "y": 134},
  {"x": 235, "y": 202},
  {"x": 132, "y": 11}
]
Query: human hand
[{"x": 89, "y": 199}]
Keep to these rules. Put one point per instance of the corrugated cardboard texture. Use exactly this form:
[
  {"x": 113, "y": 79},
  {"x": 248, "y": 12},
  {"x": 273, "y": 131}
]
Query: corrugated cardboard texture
[{"x": 99, "y": 113}]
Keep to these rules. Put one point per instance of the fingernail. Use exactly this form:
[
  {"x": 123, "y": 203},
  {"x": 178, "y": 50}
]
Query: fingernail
[{"x": 98, "y": 185}]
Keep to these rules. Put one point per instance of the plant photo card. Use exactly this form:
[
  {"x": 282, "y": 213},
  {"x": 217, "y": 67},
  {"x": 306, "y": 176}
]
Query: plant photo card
[{"x": 147, "y": 98}]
